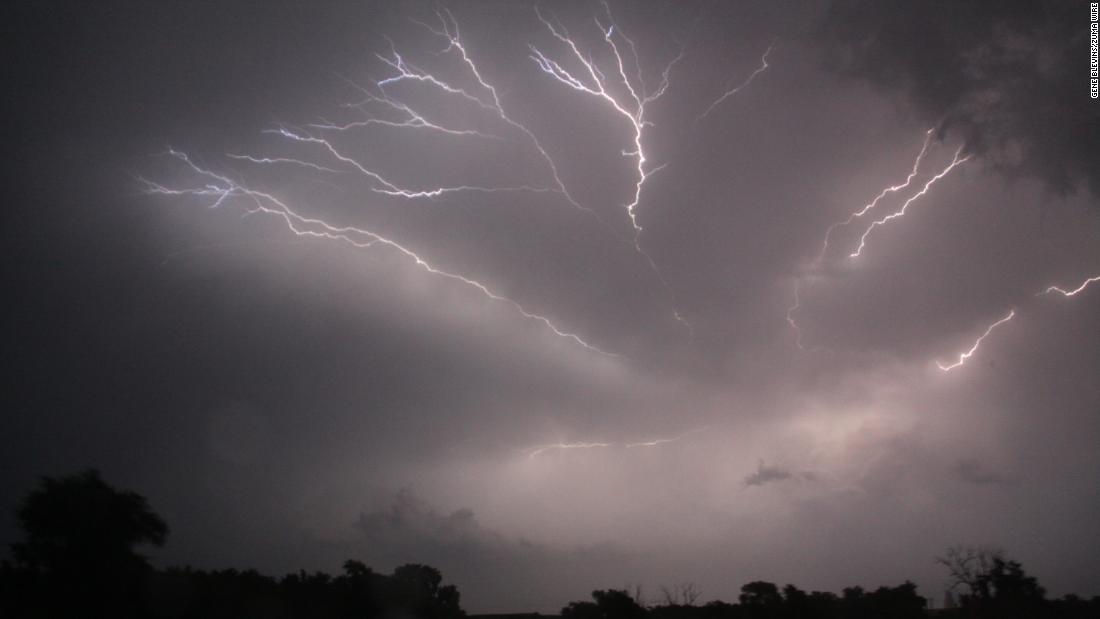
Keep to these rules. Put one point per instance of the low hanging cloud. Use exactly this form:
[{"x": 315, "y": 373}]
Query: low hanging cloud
[
  {"x": 1010, "y": 79},
  {"x": 492, "y": 570},
  {"x": 766, "y": 474}
]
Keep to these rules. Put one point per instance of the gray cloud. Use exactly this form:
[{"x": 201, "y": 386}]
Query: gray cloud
[
  {"x": 1009, "y": 80},
  {"x": 492, "y": 570},
  {"x": 765, "y": 474}
]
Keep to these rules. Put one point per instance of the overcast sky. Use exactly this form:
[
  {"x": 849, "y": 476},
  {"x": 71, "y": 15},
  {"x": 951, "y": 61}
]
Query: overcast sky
[{"x": 552, "y": 401}]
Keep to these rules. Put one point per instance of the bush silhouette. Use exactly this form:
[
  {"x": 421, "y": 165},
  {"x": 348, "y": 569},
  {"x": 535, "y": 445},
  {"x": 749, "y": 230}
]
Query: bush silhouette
[{"x": 79, "y": 557}]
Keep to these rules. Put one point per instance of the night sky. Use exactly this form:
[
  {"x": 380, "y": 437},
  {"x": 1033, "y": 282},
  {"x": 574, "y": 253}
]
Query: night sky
[{"x": 219, "y": 297}]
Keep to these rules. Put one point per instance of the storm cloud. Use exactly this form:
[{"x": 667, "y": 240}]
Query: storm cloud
[
  {"x": 1009, "y": 80},
  {"x": 761, "y": 408}
]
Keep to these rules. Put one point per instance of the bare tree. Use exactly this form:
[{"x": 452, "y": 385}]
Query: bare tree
[
  {"x": 683, "y": 594},
  {"x": 971, "y": 566}
]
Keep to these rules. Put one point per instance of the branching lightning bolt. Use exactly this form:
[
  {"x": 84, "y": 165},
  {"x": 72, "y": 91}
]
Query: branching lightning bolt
[
  {"x": 448, "y": 30},
  {"x": 955, "y": 161},
  {"x": 596, "y": 84},
  {"x": 631, "y": 106},
  {"x": 732, "y": 91},
  {"x": 221, "y": 188},
  {"x": 382, "y": 185},
  {"x": 978, "y": 342},
  {"x": 411, "y": 118}
]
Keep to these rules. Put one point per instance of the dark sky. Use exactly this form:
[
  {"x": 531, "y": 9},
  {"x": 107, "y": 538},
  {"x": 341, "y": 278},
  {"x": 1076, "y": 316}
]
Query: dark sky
[{"x": 290, "y": 401}]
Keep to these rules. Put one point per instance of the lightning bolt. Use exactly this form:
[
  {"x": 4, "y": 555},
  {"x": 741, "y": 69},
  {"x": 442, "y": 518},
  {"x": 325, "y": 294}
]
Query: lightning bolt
[
  {"x": 595, "y": 84},
  {"x": 535, "y": 451},
  {"x": 873, "y": 203},
  {"x": 383, "y": 185},
  {"x": 410, "y": 117},
  {"x": 532, "y": 452},
  {"x": 663, "y": 441},
  {"x": 1075, "y": 291},
  {"x": 820, "y": 259},
  {"x": 955, "y": 161},
  {"x": 221, "y": 188},
  {"x": 978, "y": 342},
  {"x": 791, "y": 311},
  {"x": 732, "y": 91},
  {"x": 1062, "y": 291},
  {"x": 632, "y": 106},
  {"x": 448, "y": 29}
]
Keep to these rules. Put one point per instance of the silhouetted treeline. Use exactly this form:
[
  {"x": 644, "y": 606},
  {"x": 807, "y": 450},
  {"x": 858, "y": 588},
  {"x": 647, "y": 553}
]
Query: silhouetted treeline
[
  {"x": 765, "y": 600},
  {"x": 78, "y": 560},
  {"x": 186, "y": 593},
  {"x": 410, "y": 591}
]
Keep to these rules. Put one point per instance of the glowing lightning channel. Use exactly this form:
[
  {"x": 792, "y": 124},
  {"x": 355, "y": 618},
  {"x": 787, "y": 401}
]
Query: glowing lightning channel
[
  {"x": 955, "y": 161},
  {"x": 596, "y": 84},
  {"x": 817, "y": 263},
  {"x": 386, "y": 186},
  {"x": 448, "y": 30},
  {"x": 632, "y": 107},
  {"x": 412, "y": 119},
  {"x": 978, "y": 342},
  {"x": 221, "y": 188},
  {"x": 873, "y": 203},
  {"x": 1071, "y": 293},
  {"x": 732, "y": 91},
  {"x": 556, "y": 446},
  {"x": 532, "y": 452},
  {"x": 662, "y": 441},
  {"x": 790, "y": 315}
]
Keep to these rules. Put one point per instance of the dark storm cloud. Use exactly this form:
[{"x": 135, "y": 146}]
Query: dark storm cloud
[
  {"x": 1009, "y": 79},
  {"x": 765, "y": 474}
]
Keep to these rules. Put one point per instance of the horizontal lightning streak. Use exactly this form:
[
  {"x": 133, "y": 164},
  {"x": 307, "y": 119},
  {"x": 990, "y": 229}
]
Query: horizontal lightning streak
[
  {"x": 277, "y": 160},
  {"x": 535, "y": 451},
  {"x": 662, "y": 441},
  {"x": 978, "y": 342},
  {"x": 221, "y": 188},
  {"x": 388, "y": 188},
  {"x": 1075, "y": 291},
  {"x": 555, "y": 446}
]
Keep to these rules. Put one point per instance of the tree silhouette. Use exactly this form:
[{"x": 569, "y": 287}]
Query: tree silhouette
[
  {"x": 609, "y": 604},
  {"x": 760, "y": 594},
  {"x": 995, "y": 586},
  {"x": 969, "y": 566},
  {"x": 80, "y": 536},
  {"x": 417, "y": 588}
]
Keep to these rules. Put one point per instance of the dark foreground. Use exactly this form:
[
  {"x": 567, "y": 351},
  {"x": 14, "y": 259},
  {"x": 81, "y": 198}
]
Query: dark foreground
[{"x": 78, "y": 559}]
